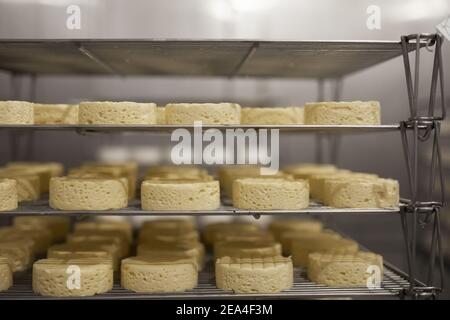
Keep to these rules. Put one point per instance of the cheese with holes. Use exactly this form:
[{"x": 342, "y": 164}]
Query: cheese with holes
[
  {"x": 158, "y": 274},
  {"x": 55, "y": 113},
  {"x": 273, "y": 116},
  {"x": 19, "y": 252},
  {"x": 361, "y": 193},
  {"x": 72, "y": 278},
  {"x": 345, "y": 270},
  {"x": 180, "y": 195},
  {"x": 6, "y": 274},
  {"x": 323, "y": 244},
  {"x": 160, "y": 115},
  {"x": 207, "y": 113},
  {"x": 16, "y": 112},
  {"x": 343, "y": 113},
  {"x": 278, "y": 227},
  {"x": 58, "y": 226},
  {"x": 70, "y": 193},
  {"x": 28, "y": 184},
  {"x": 247, "y": 249},
  {"x": 45, "y": 171},
  {"x": 254, "y": 275},
  {"x": 270, "y": 194},
  {"x": 117, "y": 113},
  {"x": 8, "y": 195},
  {"x": 210, "y": 230}
]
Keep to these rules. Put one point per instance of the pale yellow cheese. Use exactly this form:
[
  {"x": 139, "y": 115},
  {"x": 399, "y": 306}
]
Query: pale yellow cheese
[
  {"x": 278, "y": 227},
  {"x": 287, "y": 237},
  {"x": 71, "y": 193},
  {"x": 246, "y": 249},
  {"x": 8, "y": 195},
  {"x": 123, "y": 227},
  {"x": 210, "y": 230},
  {"x": 55, "y": 113},
  {"x": 28, "y": 184},
  {"x": 305, "y": 170},
  {"x": 345, "y": 270},
  {"x": 270, "y": 194},
  {"x": 6, "y": 274},
  {"x": 57, "y": 277},
  {"x": 158, "y": 274},
  {"x": 180, "y": 195},
  {"x": 254, "y": 275},
  {"x": 273, "y": 116},
  {"x": 117, "y": 113},
  {"x": 16, "y": 112},
  {"x": 59, "y": 226},
  {"x": 19, "y": 252},
  {"x": 45, "y": 171},
  {"x": 160, "y": 115},
  {"x": 42, "y": 238},
  {"x": 343, "y": 113},
  {"x": 207, "y": 113}
]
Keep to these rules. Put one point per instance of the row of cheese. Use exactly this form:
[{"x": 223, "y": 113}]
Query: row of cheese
[
  {"x": 123, "y": 113},
  {"x": 247, "y": 259}
]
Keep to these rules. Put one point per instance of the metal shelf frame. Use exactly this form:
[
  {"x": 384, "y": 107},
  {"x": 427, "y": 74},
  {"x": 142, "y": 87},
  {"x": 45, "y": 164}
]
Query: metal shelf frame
[{"x": 320, "y": 60}]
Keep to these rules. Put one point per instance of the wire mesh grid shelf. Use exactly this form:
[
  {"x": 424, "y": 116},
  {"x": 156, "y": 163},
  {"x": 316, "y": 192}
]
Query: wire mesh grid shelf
[{"x": 393, "y": 285}]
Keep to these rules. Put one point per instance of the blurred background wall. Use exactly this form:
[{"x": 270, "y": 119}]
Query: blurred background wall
[{"x": 232, "y": 19}]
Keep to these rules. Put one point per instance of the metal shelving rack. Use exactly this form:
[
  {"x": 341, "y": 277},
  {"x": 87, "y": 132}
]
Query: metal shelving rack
[{"x": 320, "y": 60}]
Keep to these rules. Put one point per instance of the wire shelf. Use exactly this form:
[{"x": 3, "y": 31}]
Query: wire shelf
[
  {"x": 40, "y": 207},
  {"x": 393, "y": 285}
]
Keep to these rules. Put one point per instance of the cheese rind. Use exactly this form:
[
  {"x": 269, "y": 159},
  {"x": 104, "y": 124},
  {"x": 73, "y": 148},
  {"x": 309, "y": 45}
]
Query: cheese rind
[
  {"x": 210, "y": 230},
  {"x": 58, "y": 226},
  {"x": 273, "y": 116},
  {"x": 254, "y": 275},
  {"x": 70, "y": 193},
  {"x": 286, "y": 238},
  {"x": 247, "y": 249},
  {"x": 119, "y": 113},
  {"x": 42, "y": 238},
  {"x": 158, "y": 274},
  {"x": 8, "y": 195},
  {"x": 6, "y": 275},
  {"x": 123, "y": 227},
  {"x": 57, "y": 277},
  {"x": 361, "y": 193},
  {"x": 160, "y": 115},
  {"x": 278, "y": 227},
  {"x": 269, "y": 194},
  {"x": 16, "y": 112},
  {"x": 344, "y": 270},
  {"x": 19, "y": 252},
  {"x": 305, "y": 170},
  {"x": 322, "y": 243},
  {"x": 343, "y": 113},
  {"x": 180, "y": 195},
  {"x": 207, "y": 113},
  {"x": 45, "y": 171},
  {"x": 55, "y": 113},
  {"x": 28, "y": 184}
]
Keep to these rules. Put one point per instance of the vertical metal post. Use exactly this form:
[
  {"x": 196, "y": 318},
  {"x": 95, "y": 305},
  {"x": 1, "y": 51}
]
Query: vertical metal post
[{"x": 319, "y": 137}]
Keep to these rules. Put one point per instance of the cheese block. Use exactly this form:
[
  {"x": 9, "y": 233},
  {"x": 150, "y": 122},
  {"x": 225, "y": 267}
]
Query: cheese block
[
  {"x": 322, "y": 244},
  {"x": 180, "y": 195},
  {"x": 158, "y": 274},
  {"x": 55, "y": 113},
  {"x": 344, "y": 270},
  {"x": 72, "y": 278},
  {"x": 278, "y": 227},
  {"x": 160, "y": 115},
  {"x": 71, "y": 193},
  {"x": 19, "y": 252},
  {"x": 194, "y": 250},
  {"x": 28, "y": 184},
  {"x": 273, "y": 116},
  {"x": 99, "y": 239},
  {"x": 42, "y": 238},
  {"x": 228, "y": 174},
  {"x": 116, "y": 236},
  {"x": 305, "y": 170},
  {"x": 361, "y": 193},
  {"x": 16, "y": 112},
  {"x": 169, "y": 235},
  {"x": 270, "y": 194},
  {"x": 85, "y": 250},
  {"x": 45, "y": 171},
  {"x": 210, "y": 230},
  {"x": 254, "y": 275},
  {"x": 8, "y": 195},
  {"x": 317, "y": 181},
  {"x": 343, "y": 113},
  {"x": 6, "y": 274},
  {"x": 58, "y": 226},
  {"x": 117, "y": 113},
  {"x": 123, "y": 227},
  {"x": 239, "y": 235},
  {"x": 207, "y": 113},
  {"x": 246, "y": 249},
  {"x": 286, "y": 238}
]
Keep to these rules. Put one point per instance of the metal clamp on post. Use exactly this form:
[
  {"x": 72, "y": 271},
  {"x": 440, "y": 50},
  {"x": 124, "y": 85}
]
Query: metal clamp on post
[{"x": 422, "y": 209}]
